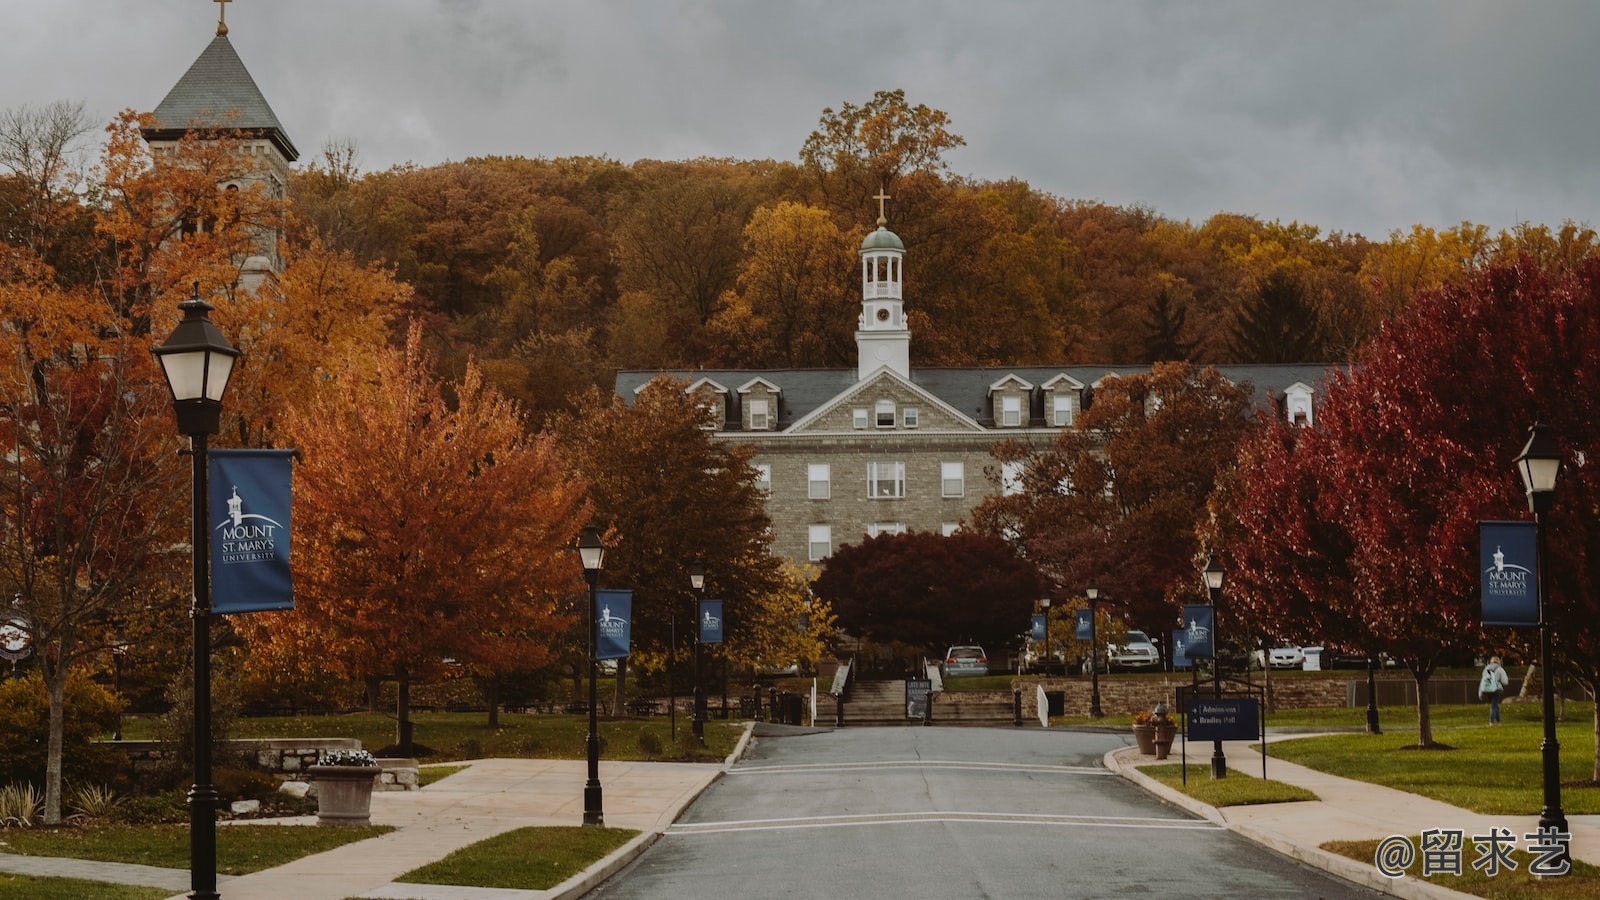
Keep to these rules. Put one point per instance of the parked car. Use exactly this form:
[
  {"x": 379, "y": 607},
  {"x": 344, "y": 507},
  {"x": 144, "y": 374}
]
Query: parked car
[
  {"x": 1286, "y": 657},
  {"x": 1135, "y": 652},
  {"x": 965, "y": 659}
]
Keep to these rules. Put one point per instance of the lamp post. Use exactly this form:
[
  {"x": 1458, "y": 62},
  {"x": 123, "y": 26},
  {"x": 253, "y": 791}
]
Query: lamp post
[
  {"x": 697, "y": 580},
  {"x": 1044, "y": 604},
  {"x": 1093, "y": 593},
  {"x": 197, "y": 360},
  {"x": 119, "y": 649},
  {"x": 593, "y": 554},
  {"x": 1213, "y": 579},
  {"x": 1539, "y": 463},
  {"x": 1372, "y": 695}
]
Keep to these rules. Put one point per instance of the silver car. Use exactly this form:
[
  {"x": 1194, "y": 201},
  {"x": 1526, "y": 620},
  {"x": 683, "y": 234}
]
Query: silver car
[{"x": 965, "y": 659}]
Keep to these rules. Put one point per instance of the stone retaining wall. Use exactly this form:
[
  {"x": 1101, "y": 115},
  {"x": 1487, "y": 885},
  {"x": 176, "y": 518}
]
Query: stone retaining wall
[{"x": 289, "y": 758}]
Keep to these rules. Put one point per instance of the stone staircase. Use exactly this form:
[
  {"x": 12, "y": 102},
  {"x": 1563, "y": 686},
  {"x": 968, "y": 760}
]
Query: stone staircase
[{"x": 884, "y": 703}]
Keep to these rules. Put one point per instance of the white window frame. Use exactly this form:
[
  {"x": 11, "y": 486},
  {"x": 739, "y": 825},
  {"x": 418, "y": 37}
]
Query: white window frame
[
  {"x": 884, "y": 413},
  {"x": 952, "y": 479},
  {"x": 858, "y": 417},
  {"x": 1011, "y": 411},
  {"x": 1061, "y": 410},
  {"x": 763, "y": 477},
  {"x": 759, "y": 415},
  {"x": 819, "y": 542},
  {"x": 910, "y": 417},
  {"x": 1010, "y": 479},
  {"x": 948, "y": 528},
  {"x": 877, "y": 529},
  {"x": 819, "y": 477},
  {"x": 886, "y": 480}
]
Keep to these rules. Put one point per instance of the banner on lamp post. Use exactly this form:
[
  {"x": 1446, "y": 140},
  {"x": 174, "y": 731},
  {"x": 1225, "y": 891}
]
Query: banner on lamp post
[
  {"x": 1180, "y": 649},
  {"x": 1038, "y": 627},
  {"x": 710, "y": 621},
  {"x": 1508, "y": 554},
  {"x": 250, "y": 494},
  {"x": 1083, "y": 625},
  {"x": 1199, "y": 637},
  {"x": 613, "y": 619}
]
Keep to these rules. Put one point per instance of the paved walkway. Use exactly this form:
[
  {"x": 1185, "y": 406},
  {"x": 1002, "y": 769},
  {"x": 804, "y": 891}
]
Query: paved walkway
[
  {"x": 1345, "y": 810},
  {"x": 497, "y": 795}
]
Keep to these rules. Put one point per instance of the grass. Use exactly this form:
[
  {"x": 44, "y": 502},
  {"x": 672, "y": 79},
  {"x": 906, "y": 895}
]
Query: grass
[
  {"x": 38, "y": 887},
  {"x": 455, "y": 736},
  {"x": 1582, "y": 882},
  {"x": 429, "y": 774},
  {"x": 1238, "y": 789},
  {"x": 241, "y": 849},
  {"x": 529, "y": 859},
  {"x": 1399, "y": 719}
]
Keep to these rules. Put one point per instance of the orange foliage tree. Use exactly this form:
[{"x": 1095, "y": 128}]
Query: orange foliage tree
[{"x": 424, "y": 530}]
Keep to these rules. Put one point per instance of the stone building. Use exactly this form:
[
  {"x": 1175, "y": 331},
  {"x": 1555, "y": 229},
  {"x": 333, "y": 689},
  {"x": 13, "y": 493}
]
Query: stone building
[{"x": 887, "y": 448}]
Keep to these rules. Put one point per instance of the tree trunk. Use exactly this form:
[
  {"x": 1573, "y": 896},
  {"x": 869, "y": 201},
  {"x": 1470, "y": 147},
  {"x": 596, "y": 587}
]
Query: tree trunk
[
  {"x": 491, "y": 693},
  {"x": 618, "y": 689},
  {"x": 374, "y": 689},
  {"x": 1424, "y": 718},
  {"x": 402, "y": 714},
  {"x": 56, "y": 688},
  {"x": 1596, "y": 766},
  {"x": 1526, "y": 690}
]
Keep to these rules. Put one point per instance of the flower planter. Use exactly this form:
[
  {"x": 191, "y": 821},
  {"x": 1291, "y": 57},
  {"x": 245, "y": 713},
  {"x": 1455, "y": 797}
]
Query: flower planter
[
  {"x": 1164, "y": 733},
  {"x": 344, "y": 793},
  {"x": 1145, "y": 735}
]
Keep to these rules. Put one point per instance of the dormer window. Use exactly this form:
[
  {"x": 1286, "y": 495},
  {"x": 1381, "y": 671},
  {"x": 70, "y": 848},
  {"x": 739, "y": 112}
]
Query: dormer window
[
  {"x": 1061, "y": 410},
  {"x": 859, "y": 418},
  {"x": 885, "y": 413},
  {"x": 909, "y": 417},
  {"x": 1011, "y": 411},
  {"x": 759, "y": 415},
  {"x": 1297, "y": 405}
]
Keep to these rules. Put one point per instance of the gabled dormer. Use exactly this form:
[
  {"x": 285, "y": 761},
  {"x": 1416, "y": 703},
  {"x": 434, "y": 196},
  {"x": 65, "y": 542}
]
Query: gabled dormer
[
  {"x": 1297, "y": 406},
  {"x": 758, "y": 405},
  {"x": 1063, "y": 401},
  {"x": 1010, "y": 402},
  {"x": 713, "y": 397}
]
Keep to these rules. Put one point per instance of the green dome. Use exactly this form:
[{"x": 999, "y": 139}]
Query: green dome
[{"x": 882, "y": 239}]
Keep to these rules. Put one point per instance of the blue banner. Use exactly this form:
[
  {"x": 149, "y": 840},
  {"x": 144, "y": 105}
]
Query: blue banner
[
  {"x": 1038, "y": 627},
  {"x": 250, "y": 492},
  {"x": 613, "y": 619},
  {"x": 1083, "y": 625},
  {"x": 710, "y": 621},
  {"x": 1180, "y": 651},
  {"x": 1507, "y": 568},
  {"x": 1199, "y": 641}
]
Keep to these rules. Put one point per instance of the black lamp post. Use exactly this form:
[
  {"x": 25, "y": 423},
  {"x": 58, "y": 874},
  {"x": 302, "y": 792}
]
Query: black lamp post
[
  {"x": 1372, "y": 695},
  {"x": 1093, "y": 593},
  {"x": 697, "y": 580},
  {"x": 197, "y": 361},
  {"x": 593, "y": 554},
  {"x": 1213, "y": 579},
  {"x": 1044, "y": 604},
  {"x": 119, "y": 649},
  {"x": 1539, "y": 463}
]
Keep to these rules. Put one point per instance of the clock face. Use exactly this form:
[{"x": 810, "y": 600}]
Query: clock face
[{"x": 883, "y": 315}]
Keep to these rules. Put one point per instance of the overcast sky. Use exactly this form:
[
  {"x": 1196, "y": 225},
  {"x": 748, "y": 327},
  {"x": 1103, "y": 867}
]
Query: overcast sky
[{"x": 1352, "y": 116}]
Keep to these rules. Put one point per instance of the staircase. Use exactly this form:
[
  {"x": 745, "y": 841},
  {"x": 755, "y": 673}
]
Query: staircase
[{"x": 877, "y": 703}]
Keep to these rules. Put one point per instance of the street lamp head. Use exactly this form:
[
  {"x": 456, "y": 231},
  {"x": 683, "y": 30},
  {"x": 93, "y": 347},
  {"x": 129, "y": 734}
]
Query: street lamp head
[
  {"x": 590, "y": 550},
  {"x": 1539, "y": 463},
  {"x": 697, "y": 575},
  {"x": 1044, "y": 602},
  {"x": 1092, "y": 592},
  {"x": 1213, "y": 573},
  {"x": 197, "y": 361}
]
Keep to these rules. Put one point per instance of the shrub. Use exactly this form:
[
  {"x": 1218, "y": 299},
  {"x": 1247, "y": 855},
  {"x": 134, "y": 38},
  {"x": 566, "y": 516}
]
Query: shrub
[
  {"x": 471, "y": 748},
  {"x": 243, "y": 784},
  {"x": 154, "y": 809},
  {"x": 649, "y": 744},
  {"x": 90, "y": 712},
  {"x": 175, "y": 728},
  {"x": 95, "y": 801},
  {"x": 20, "y": 804}
]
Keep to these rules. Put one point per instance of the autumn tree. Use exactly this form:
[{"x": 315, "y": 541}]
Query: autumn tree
[
  {"x": 929, "y": 590},
  {"x": 1165, "y": 340},
  {"x": 428, "y": 526},
  {"x": 857, "y": 151},
  {"x": 1276, "y": 324},
  {"x": 668, "y": 495},
  {"x": 1117, "y": 499}
]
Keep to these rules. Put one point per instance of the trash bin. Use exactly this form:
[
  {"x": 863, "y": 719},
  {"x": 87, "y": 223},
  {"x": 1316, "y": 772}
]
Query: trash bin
[
  {"x": 790, "y": 709},
  {"x": 1056, "y": 702},
  {"x": 1313, "y": 660}
]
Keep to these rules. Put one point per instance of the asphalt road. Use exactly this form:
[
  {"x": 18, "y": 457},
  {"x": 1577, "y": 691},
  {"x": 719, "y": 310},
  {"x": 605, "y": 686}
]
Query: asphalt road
[{"x": 949, "y": 812}]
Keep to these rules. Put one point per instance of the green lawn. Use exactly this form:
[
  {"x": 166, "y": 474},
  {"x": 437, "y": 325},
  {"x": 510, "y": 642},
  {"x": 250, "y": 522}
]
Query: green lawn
[
  {"x": 529, "y": 859},
  {"x": 241, "y": 849},
  {"x": 36, "y": 887},
  {"x": 519, "y": 736},
  {"x": 1581, "y": 883},
  {"x": 1238, "y": 789},
  {"x": 430, "y": 774}
]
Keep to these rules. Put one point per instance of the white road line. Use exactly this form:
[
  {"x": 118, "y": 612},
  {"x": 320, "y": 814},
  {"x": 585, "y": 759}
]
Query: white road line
[
  {"x": 950, "y": 818},
  {"x": 954, "y": 765}
]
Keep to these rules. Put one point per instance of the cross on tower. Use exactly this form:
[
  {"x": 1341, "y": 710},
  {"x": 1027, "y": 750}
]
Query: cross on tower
[
  {"x": 222, "y": 15},
  {"x": 880, "y": 196}
]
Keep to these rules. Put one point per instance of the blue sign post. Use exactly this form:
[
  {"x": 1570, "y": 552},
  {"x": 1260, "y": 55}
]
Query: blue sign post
[
  {"x": 1084, "y": 625},
  {"x": 1037, "y": 633},
  {"x": 1508, "y": 574},
  {"x": 710, "y": 621},
  {"x": 1199, "y": 636},
  {"x": 613, "y": 617},
  {"x": 249, "y": 520}
]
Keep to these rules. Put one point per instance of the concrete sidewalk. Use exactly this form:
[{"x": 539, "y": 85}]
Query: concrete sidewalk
[
  {"x": 1345, "y": 810},
  {"x": 489, "y": 797}
]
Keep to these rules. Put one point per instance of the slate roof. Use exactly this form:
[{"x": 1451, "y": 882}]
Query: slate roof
[
  {"x": 216, "y": 85},
  {"x": 967, "y": 390}
]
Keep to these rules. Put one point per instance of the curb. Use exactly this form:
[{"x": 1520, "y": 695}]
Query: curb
[
  {"x": 591, "y": 878},
  {"x": 1342, "y": 866}
]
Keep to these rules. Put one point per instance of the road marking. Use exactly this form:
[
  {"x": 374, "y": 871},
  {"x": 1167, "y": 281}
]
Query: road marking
[
  {"x": 938, "y": 817},
  {"x": 951, "y": 764}
]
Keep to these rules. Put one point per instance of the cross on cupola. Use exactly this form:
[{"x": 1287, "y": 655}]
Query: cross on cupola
[
  {"x": 222, "y": 15},
  {"x": 880, "y": 196}
]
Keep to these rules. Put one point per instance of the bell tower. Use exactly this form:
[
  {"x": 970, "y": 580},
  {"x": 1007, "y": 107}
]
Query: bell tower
[{"x": 882, "y": 338}]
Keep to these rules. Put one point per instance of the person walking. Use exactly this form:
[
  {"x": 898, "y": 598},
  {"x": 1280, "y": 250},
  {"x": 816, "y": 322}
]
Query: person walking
[{"x": 1492, "y": 686}]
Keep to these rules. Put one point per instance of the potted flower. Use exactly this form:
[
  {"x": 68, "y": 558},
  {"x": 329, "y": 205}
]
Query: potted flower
[
  {"x": 1144, "y": 732},
  {"x": 1165, "y": 730},
  {"x": 344, "y": 781}
]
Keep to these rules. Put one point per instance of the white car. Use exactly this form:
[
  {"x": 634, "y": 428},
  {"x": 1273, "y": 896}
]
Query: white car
[
  {"x": 1287, "y": 657},
  {"x": 1135, "y": 652}
]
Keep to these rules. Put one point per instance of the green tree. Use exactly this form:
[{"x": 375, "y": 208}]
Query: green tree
[{"x": 1277, "y": 324}]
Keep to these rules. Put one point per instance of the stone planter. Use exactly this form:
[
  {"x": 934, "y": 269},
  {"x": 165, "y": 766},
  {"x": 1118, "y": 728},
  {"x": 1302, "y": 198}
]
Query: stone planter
[
  {"x": 1165, "y": 731},
  {"x": 344, "y": 793},
  {"x": 1145, "y": 735}
]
